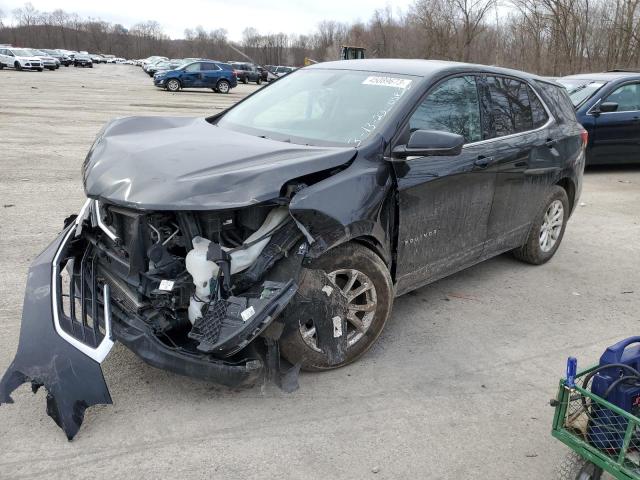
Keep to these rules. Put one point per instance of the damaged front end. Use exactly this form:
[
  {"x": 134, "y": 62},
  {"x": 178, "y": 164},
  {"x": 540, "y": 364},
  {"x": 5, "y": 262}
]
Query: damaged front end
[
  {"x": 202, "y": 267},
  {"x": 187, "y": 291}
]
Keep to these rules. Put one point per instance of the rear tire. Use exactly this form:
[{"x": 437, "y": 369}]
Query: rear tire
[
  {"x": 245, "y": 80},
  {"x": 547, "y": 229},
  {"x": 346, "y": 257},
  {"x": 574, "y": 467}
]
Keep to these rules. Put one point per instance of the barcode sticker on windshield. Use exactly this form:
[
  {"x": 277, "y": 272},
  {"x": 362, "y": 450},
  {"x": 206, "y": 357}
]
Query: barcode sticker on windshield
[{"x": 387, "y": 82}]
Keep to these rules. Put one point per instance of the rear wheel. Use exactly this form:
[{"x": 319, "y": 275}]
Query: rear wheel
[
  {"x": 223, "y": 86},
  {"x": 574, "y": 467},
  {"x": 173, "y": 85},
  {"x": 245, "y": 80},
  {"x": 365, "y": 280},
  {"x": 547, "y": 229}
]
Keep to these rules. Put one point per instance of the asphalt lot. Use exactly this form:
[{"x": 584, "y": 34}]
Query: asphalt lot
[{"x": 457, "y": 386}]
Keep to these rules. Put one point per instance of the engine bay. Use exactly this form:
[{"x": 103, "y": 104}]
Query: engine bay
[{"x": 198, "y": 279}]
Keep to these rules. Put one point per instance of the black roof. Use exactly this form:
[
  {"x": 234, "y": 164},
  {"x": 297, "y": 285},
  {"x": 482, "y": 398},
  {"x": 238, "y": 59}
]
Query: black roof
[{"x": 421, "y": 68}]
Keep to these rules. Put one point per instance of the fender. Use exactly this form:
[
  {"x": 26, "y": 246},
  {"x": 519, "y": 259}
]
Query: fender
[{"x": 352, "y": 204}]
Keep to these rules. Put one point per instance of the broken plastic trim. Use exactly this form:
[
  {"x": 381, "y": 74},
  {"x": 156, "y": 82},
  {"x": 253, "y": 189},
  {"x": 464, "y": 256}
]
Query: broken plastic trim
[
  {"x": 104, "y": 347},
  {"x": 103, "y": 227},
  {"x": 73, "y": 379}
]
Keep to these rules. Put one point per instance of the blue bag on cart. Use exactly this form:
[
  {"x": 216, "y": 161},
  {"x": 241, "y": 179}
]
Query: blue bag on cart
[{"x": 617, "y": 380}]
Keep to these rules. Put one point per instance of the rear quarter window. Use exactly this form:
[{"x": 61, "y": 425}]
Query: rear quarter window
[{"x": 558, "y": 101}]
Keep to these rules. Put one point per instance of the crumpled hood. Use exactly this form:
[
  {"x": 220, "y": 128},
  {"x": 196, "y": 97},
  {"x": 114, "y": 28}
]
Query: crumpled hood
[{"x": 181, "y": 163}]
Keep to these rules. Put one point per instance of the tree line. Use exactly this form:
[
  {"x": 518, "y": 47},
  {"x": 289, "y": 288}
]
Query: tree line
[{"x": 549, "y": 37}]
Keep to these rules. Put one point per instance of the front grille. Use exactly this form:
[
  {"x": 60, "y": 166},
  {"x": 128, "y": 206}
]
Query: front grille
[{"x": 80, "y": 308}]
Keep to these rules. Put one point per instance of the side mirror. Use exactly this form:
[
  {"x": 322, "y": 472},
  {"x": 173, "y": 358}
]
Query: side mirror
[
  {"x": 605, "y": 107},
  {"x": 423, "y": 143}
]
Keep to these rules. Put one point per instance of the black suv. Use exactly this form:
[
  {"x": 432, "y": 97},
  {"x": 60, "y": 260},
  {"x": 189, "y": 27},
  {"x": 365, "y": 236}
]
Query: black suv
[
  {"x": 287, "y": 224},
  {"x": 608, "y": 107},
  {"x": 247, "y": 72}
]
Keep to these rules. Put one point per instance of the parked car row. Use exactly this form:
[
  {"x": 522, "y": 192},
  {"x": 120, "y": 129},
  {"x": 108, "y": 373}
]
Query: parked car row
[
  {"x": 51, "y": 59},
  {"x": 245, "y": 72}
]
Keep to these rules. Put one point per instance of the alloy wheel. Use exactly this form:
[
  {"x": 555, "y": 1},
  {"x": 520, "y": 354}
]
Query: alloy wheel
[
  {"x": 173, "y": 85},
  {"x": 551, "y": 226},
  {"x": 362, "y": 304}
]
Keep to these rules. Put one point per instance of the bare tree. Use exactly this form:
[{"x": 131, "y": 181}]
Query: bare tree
[
  {"x": 550, "y": 37},
  {"x": 471, "y": 14}
]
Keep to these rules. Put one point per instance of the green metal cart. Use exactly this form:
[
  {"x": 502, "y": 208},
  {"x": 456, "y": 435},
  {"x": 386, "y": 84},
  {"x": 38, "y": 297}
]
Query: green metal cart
[{"x": 602, "y": 437}]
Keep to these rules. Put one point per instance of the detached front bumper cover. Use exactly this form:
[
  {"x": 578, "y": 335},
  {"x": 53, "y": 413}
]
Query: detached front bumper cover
[
  {"x": 73, "y": 380},
  {"x": 62, "y": 344}
]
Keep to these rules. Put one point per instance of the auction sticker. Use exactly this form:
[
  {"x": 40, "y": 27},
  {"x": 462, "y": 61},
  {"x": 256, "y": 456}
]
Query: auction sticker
[{"x": 394, "y": 82}]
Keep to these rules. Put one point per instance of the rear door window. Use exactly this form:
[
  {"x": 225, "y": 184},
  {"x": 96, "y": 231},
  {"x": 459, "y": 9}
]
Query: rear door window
[
  {"x": 510, "y": 106},
  {"x": 452, "y": 107},
  {"x": 627, "y": 97}
]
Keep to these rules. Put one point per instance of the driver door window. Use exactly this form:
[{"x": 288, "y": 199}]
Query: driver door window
[
  {"x": 194, "y": 67},
  {"x": 627, "y": 97},
  {"x": 452, "y": 107}
]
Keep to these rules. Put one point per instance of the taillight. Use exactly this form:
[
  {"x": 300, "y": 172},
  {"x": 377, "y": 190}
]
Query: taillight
[{"x": 585, "y": 138}]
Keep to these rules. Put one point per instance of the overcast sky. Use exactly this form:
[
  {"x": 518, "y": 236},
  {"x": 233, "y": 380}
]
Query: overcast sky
[{"x": 289, "y": 16}]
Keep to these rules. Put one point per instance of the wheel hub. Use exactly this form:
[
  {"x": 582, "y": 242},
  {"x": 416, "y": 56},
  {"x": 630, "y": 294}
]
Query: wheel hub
[
  {"x": 362, "y": 302},
  {"x": 551, "y": 226}
]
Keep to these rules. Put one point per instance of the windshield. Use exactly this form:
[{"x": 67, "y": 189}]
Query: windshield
[
  {"x": 336, "y": 107},
  {"x": 580, "y": 90},
  {"x": 20, "y": 52}
]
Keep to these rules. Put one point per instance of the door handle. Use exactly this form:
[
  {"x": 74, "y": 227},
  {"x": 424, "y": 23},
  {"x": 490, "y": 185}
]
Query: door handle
[
  {"x": 550, "y": 142},
  {"x": 482, "y": 161}
]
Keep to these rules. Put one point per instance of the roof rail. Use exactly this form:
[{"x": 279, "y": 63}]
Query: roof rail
[{"x": 623, "y": 70}]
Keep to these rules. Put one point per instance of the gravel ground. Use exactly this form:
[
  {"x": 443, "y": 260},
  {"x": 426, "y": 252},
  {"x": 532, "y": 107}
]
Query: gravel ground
[{"x": 457, "y": 386}]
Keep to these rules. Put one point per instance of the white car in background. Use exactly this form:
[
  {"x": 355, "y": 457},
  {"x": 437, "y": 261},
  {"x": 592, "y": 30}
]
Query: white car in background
[
  {"x": 48, "y": 62},
  {"x": 19, "y": 58}
]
